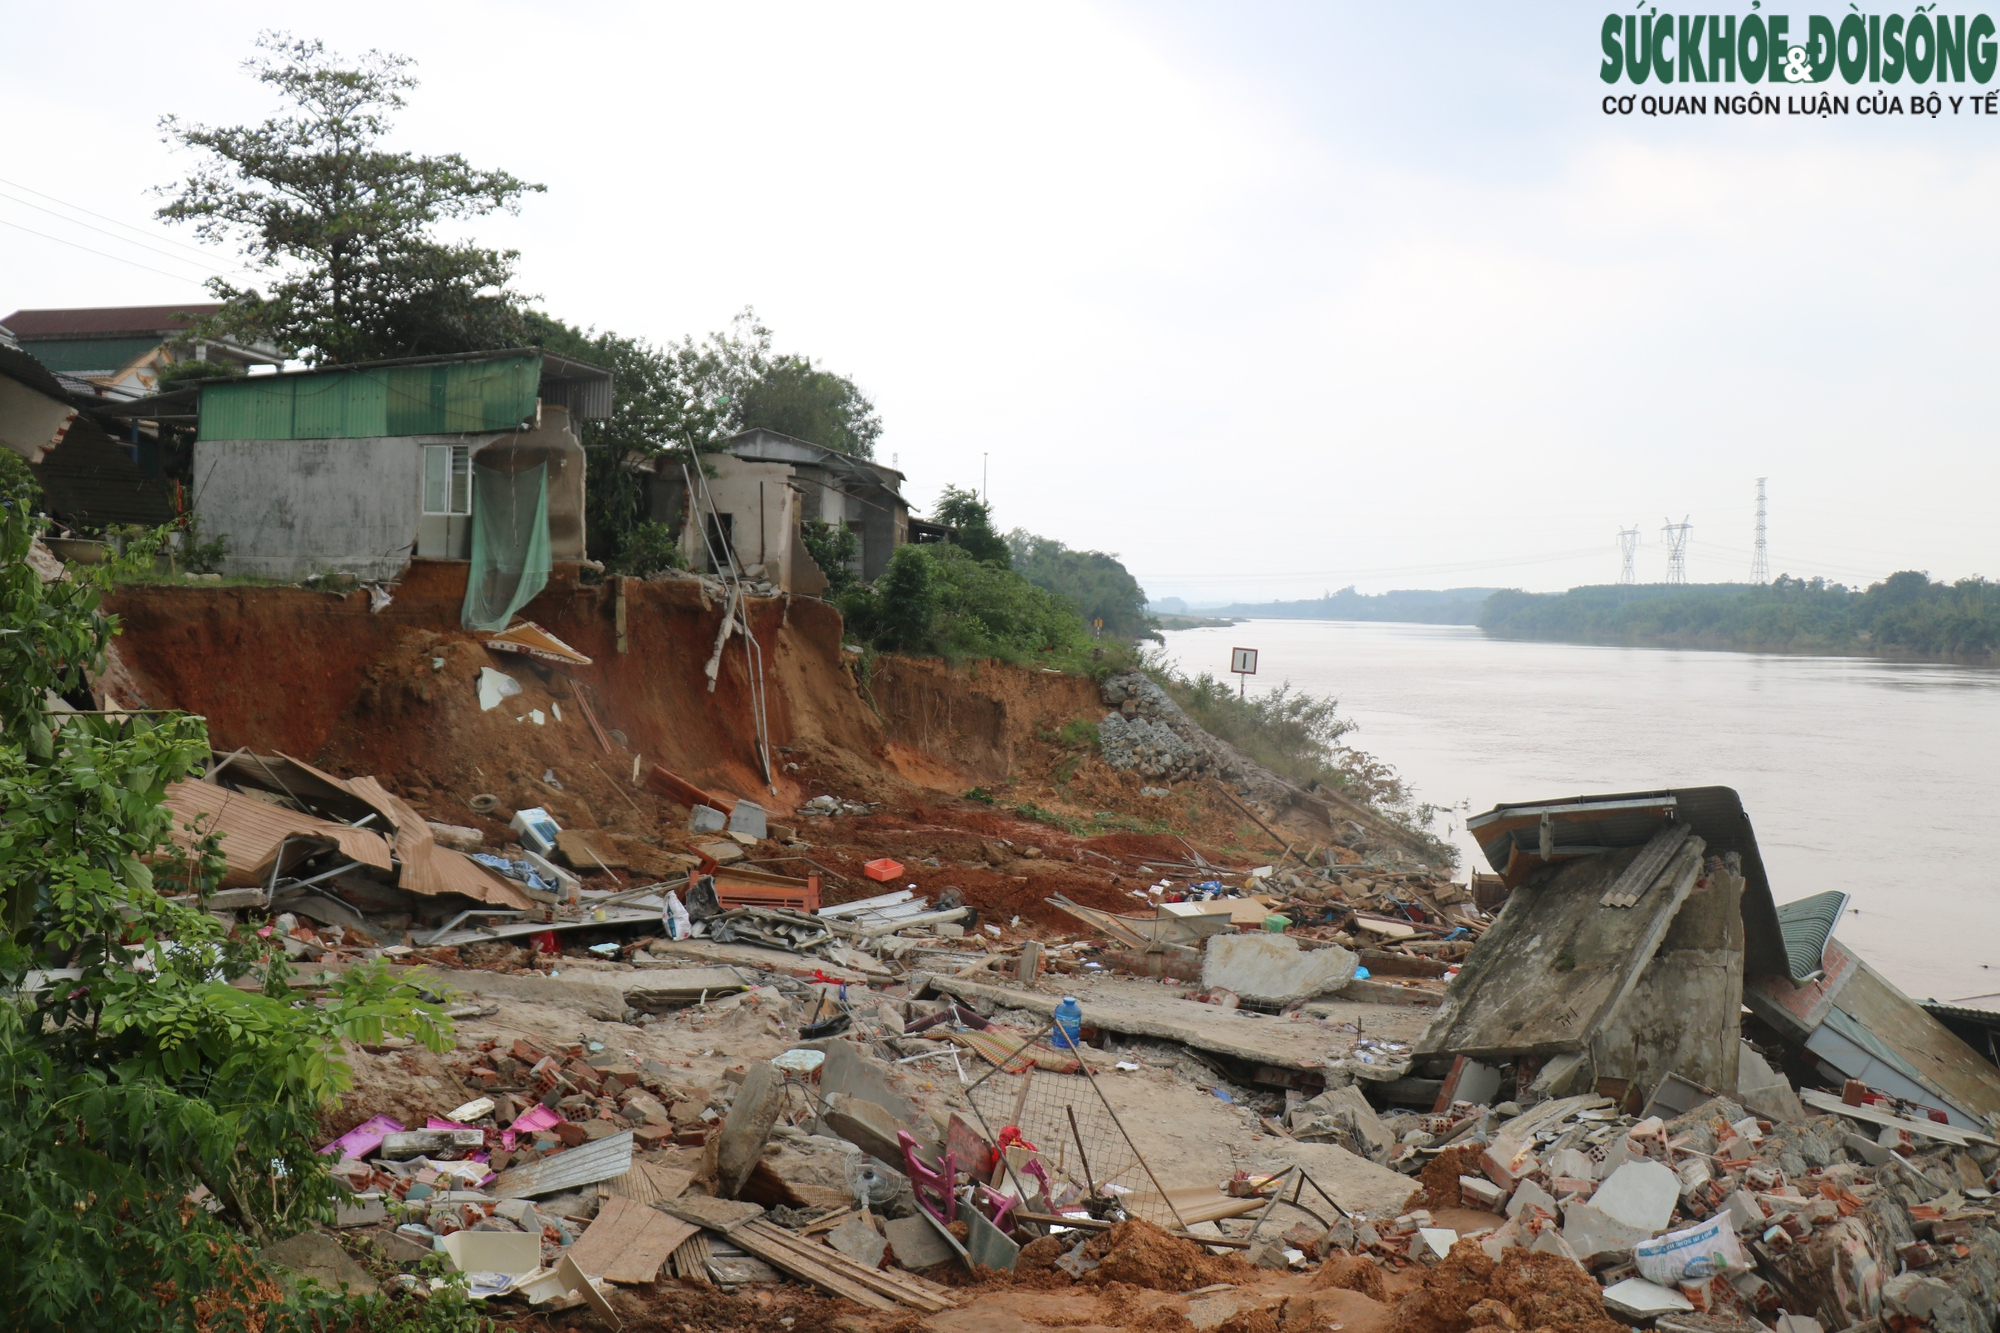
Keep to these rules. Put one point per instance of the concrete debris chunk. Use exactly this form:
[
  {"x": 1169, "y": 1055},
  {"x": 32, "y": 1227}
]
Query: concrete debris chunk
[
  {"x": 746, "y": 1130},
  {"x": 1479, "y": 1192},
  {"x": 1639, "y": 1195},
  {"x": 859, "y": 1241},
  {"x": 1592, "y": 1233},
  {"x": 1530, "y": 1195},
  {"x": 1636, "y": 1298},
  {"x": 310, "y": 1254},
  {"x": 1272, "y": 969},
  {"x": 1431, "y": 1244},
  {"x": 915, "y": 1243}
]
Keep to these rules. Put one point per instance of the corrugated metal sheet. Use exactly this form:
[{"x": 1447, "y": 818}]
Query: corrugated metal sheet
[
  {"x": 252, "y": 830},
  {"x": 447, "y": 397},
  {"x": 571, "y": 1169},
  {"x": 1807, "y": 925},
  {"x": 427, "y": 868}
]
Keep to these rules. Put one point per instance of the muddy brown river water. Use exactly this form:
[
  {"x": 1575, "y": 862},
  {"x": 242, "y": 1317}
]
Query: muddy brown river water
[{"x": 1880, "y": 779}]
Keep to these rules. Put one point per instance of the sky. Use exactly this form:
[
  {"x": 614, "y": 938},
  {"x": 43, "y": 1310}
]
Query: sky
[{"x": 1268, "y": 299}]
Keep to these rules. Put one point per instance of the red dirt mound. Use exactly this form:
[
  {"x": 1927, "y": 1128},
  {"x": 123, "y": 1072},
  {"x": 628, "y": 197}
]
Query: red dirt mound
[
  {"x": 1143, "y": 1255},
  {"x": 1543, "y": 1291}
]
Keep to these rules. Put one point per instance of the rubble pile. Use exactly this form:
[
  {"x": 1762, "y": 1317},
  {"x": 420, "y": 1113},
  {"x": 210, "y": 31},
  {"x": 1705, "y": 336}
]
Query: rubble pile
[{"x": 1149, "y": 734}]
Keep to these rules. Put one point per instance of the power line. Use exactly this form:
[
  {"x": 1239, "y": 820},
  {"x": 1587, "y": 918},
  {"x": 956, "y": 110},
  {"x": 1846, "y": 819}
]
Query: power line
[
  {"x": 1628, "y": 547},
  {"x": 59, "y": 240},
  {"x": 1676, "y": 535},
  {"x": 102, "y": 217},
  {"x": 122, "y": 240},
  {"x": 1760, "y": 563}
]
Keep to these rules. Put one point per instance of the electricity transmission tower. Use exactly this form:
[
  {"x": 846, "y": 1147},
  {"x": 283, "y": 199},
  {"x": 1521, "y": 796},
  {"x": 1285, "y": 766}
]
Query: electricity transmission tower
[
  {"x": 1676, "y": 535},
  {"x": 1628, "y": 547},
  {"x": 1760, "y": 562}
]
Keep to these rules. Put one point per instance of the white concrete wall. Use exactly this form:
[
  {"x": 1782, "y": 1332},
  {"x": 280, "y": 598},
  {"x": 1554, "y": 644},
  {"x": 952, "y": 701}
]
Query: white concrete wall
[{"x": 293, "y": 508}]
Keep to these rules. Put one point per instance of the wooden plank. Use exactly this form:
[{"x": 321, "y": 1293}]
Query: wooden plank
[
  {"x": 647, "y": 1183},
  {"x": 898, "y": 1287},
  {"x": 628, "y": 1242},
  {"x": 754, "y": 1239},
  {"x": 691, "y": 1259}
]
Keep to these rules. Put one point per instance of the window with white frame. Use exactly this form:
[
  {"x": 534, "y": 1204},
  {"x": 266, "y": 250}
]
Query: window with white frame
[{"x": 447, "y": 479}]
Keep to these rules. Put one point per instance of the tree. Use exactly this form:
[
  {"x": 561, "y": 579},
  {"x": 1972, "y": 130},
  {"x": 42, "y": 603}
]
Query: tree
[
  {"x": 678, "y": 396},
  {"x": 346, "y": 227},
  {"x": 690, "y": 395},
  {"x": 908, "y": 602},
  {"x": 791, "y": 395},
  {"x": 1099, "y": 584},
  {"x": 971, "y": 518},
  {"x": 140, "y": 1079}
]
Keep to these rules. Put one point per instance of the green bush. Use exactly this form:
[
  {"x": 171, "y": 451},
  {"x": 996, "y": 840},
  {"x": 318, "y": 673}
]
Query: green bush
[
  {"x": 144, "y": 1075},
  {"x": 971, "y": 521},
  {"x": 17, "y": 477},
  {"x": 652, "y": 548},
  {"x": 833, "y": 550},
  {"x": 1298, "y": 736}
]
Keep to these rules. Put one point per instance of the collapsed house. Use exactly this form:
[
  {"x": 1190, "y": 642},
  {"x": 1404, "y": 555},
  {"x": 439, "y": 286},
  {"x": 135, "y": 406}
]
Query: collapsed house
[
  {"x": 764, "y": 486},
  {"x": 1637, "y": 928}
]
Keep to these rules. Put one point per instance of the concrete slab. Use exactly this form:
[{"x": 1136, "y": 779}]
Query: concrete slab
[
  {"x": 859, "y": 1242},
  {"x": 764, "y": 960},
  {"x": 1359, "y": 1184},
  {"x": 1149, "y": 1009},
  {"x": 847, "y": 1071},
  {"x": 1273, "y": 969},
  {"x": 916, "y": 1243},
  {"x": 748, "y": 1126},
  {"x": 1639, "y": 1195},
  {"x": 1591, "y": 1233},
  {"x": 311, "y": 1254},
  {"x": 1636, "y": 1298}
]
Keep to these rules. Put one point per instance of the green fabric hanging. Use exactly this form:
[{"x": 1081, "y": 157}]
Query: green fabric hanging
[{"x": 510, "y": 544}]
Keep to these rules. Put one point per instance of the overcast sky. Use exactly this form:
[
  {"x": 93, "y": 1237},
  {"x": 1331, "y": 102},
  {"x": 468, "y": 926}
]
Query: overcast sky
[{"x": 1267, "y": 299}]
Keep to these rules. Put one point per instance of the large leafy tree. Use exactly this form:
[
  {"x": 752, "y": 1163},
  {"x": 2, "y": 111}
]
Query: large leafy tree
[
  {"x": 692, "y": 395},
  {"x": 792, "y": 395},
  {"x": 149, "y": 1061},
  {"x": 1096, "y": 582},
  {"x": 971, "y": 518},
  {"x": 345, "y": 226}
]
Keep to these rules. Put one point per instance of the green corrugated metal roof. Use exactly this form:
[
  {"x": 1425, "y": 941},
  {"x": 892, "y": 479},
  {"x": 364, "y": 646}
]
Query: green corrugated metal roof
[
  {"x": 84, "y": 355},
  {"x": 359, "y": 402},
  {"x": 1807, "y": 925}
]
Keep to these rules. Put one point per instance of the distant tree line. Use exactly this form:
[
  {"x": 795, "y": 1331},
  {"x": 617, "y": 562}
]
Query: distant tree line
[
  {"x": 1905, "y": 615},
  {"x": 1415, "y": 606}
]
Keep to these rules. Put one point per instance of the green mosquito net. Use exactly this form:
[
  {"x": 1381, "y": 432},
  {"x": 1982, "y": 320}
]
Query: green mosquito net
[{"x": 510, "y": 544}]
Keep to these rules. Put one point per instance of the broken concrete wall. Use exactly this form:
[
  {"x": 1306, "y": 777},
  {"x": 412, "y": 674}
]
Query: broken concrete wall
[
  {"x": 1683, "y": 1015},
  {"x": 1559, "y": 963}
]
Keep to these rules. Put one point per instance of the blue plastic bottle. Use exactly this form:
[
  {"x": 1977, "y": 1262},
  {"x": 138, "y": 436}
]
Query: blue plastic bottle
[{"x": 1069, "y": 1024}]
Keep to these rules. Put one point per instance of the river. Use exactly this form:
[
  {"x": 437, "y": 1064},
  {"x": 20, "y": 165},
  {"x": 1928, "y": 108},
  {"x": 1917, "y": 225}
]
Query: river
[{"x": 1873, "y": 777}]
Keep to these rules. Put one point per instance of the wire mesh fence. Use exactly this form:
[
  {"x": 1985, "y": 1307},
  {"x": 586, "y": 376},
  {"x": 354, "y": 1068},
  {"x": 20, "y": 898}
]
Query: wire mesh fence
[{"x": 1078, "y": 1139}]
